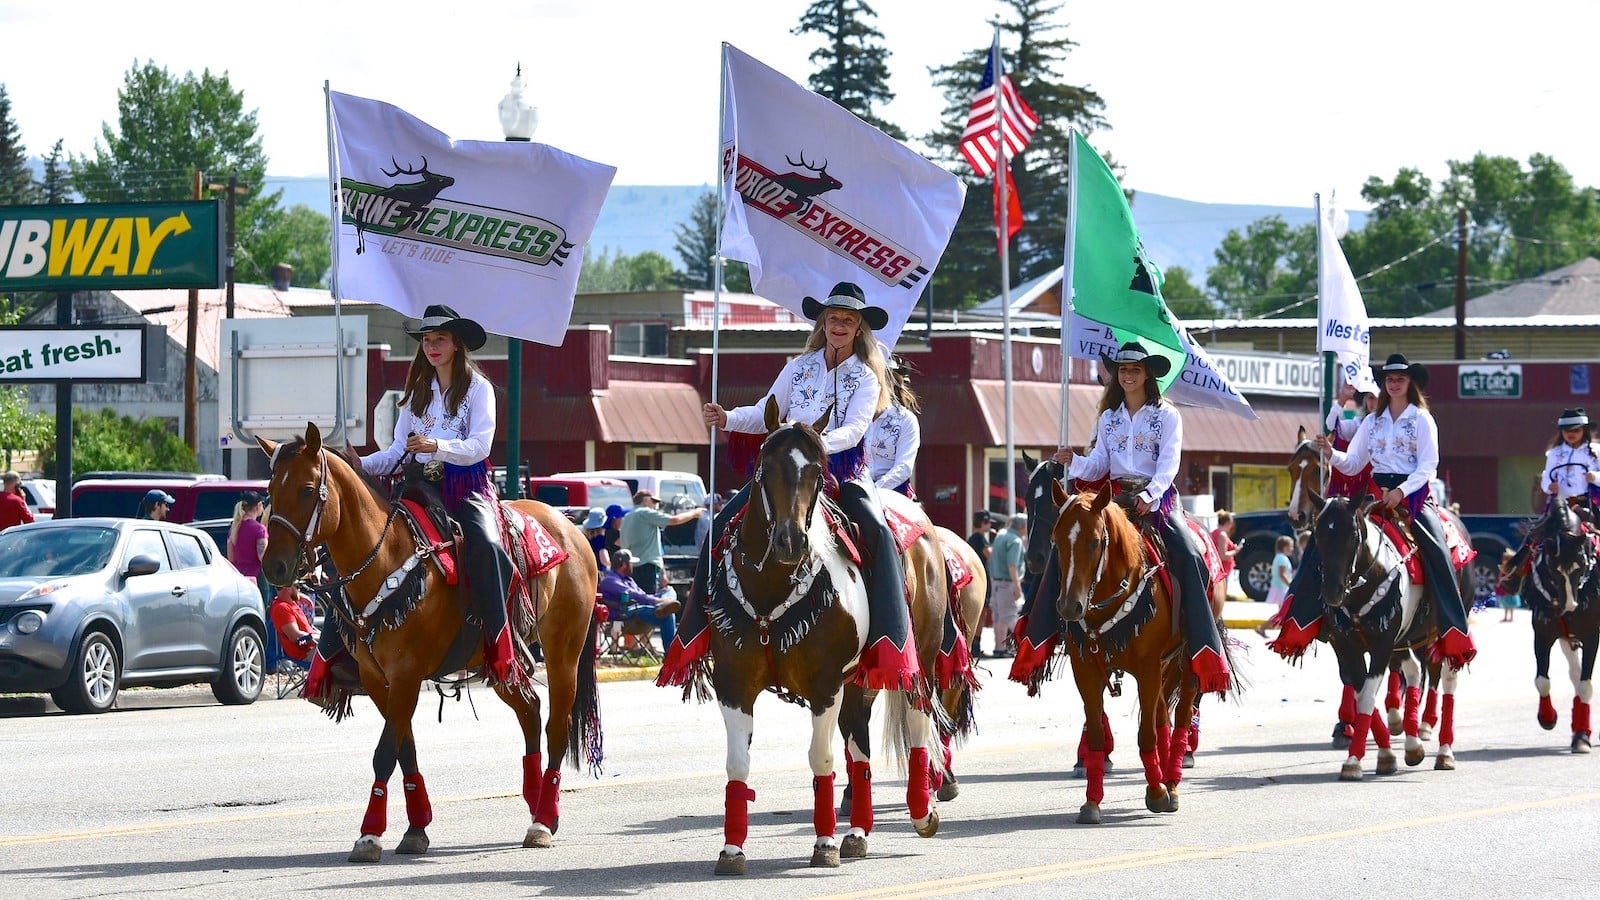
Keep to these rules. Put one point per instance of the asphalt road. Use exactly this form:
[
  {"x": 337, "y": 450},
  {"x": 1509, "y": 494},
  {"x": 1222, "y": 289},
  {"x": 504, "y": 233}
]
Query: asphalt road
[{"x": 173, "y": 794}]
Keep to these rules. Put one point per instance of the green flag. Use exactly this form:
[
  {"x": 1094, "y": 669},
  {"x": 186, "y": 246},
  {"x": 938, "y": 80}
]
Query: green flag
[{"x": 1113, "y": 283}]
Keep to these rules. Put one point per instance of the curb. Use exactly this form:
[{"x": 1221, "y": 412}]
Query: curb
[{"x": 627, "y": 673}]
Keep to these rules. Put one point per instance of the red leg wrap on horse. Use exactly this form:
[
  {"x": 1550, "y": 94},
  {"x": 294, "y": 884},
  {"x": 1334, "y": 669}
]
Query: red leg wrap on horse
[
  {"x": 861, "y": 795},
  {"x": 736, "y": 813},
  {"x": 1094, "y": 770},
  {"x": 549, "y": 814},
  {"x": 1580, "y": 716},
  {"x": 1193, "y": 741},
  {"x": 1391, "y": 700},
  {"x": 1358, "y": 736},
  {"x": 1447, "y": 719},
  {"x": 377, "y": 818},
  {"x": 824, "y": 812},
  {"x": 1152, "y": 767},
  {"x": 1172, "y": 766},
  {"x": 1083, "y": 743},
  {"x": 1413, "y": 708},
  {"x": 1547, "y": 711},
  {"x": 917, "y": 771},
  {"x": 1110, "y": 742},
  {"x": 1380, "y": 731},
  {"x": 532, "y": 765},
  {"x": 1347, "y": 705},
  {"x": 419, "y": 812},
  {"x": 1430, "y": 707}
]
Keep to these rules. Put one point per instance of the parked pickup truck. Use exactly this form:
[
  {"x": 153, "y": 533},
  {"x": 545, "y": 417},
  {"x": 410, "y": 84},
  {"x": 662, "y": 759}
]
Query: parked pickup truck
[{"x": 1256, "y": 532}]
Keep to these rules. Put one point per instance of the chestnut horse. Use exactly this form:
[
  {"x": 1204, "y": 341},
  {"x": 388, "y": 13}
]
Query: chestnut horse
[
  {"x": 1122, "y": 617},
  {"x": 319, "y": 498},
  {"x": 789, "y": 614},
  {"x": 1563, "y": 596}
]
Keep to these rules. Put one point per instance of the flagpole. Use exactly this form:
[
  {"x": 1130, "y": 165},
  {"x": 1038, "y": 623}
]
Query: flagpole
[
  {"x": 1327, "y": 355},
  {"x": 1066, "y": 281},
  {"x": 716, "y": 295},
  {"x": 336, "y": 210},
  {"x": 1005, "y": 267}
]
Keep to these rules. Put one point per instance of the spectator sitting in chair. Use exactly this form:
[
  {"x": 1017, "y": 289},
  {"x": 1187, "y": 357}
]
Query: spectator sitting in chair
[
  {"x": 290, "y": 614},
  {"x": 623, "y": 596}
]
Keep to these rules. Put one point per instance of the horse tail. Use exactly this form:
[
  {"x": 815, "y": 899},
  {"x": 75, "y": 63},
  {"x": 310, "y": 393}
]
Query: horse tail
[
  {"x": 585, "y": 737},
  {"x": 1230, "y": 653},
  {"x": 898, "y": 709}
]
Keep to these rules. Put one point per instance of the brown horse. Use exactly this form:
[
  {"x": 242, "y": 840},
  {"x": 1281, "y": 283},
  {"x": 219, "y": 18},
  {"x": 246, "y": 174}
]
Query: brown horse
[
  {"x": 968, "y": 605},
  {"x": 789, "y": 612},
  {"x": 405, "y": 637},
  {"x": 1122, "y": 617}
]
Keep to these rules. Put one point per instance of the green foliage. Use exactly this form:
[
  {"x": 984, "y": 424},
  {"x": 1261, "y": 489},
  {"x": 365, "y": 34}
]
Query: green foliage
[
  {"x": 970, "y": 271},
  {"x": 55, "y": 186},
  {"x": 106, "y": 441},
  {"x": 647, "y": 271},
  {"x": 697, "y": 244},
  {"x": 1269, "y": 266},
  {"x": 1184, "y": 297},
  {"x": 852, "y": 64},
  {"x": 21, "y": 431},
  {"x": 17, "y": 186},
  {"x": 299, "y": 237}
]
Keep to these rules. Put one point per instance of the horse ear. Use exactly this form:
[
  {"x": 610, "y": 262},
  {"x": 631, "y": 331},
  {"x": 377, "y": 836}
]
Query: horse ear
[
  {"x": 1058, "y": 494},
  {"x": 1317, "y": 499},
  {"x": 822, "y": 421},
  {"x": 313, "y": 437},
  {"x": 267, "y": 446},
  {"x": 1101, "y": 500},
  {"x": 1300, "y": 437},
  {"x": 770, "y": 414},
  {"x": 1029, "y": 462}
]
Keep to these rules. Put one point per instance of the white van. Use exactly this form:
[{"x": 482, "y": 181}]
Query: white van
[{"x": 678, "y": 492}]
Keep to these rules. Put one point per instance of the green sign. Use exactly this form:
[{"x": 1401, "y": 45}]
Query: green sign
[
  {"x": 1496, "y": 382},
  {"x": 111, "y": 246}
]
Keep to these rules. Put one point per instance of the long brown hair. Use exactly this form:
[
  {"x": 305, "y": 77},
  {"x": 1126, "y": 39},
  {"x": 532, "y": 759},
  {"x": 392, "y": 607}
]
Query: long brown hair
[
  {"x": 1115, "y": 396},
  {"x": 904, "y": 396},
  {"x": 865, "y": 346},
  {"x": 419, "y": 380},
  {"x": 1414, "y": 395}
]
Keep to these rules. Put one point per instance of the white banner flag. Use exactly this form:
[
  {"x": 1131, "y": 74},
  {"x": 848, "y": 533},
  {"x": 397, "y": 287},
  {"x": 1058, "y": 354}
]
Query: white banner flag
[
  {"x": 1198, "y": 384},
  {"x": 495, "y": 229},
  {"x": 814, "y": 196},
  {"x": 1341, "y": 315}
]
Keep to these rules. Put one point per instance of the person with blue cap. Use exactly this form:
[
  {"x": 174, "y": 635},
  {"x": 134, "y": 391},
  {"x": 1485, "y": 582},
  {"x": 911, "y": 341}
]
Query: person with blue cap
[{"x": 157, "y": 505}]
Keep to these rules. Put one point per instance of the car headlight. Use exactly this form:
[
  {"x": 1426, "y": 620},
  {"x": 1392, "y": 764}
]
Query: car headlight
[
  {"x": 49, "y": 587},
  {"x": 28, "y": 621}
]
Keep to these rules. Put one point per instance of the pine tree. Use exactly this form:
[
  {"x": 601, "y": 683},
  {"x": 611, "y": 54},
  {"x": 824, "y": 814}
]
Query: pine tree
[
  {"x": 697, "y": 244},
  {"x": 852, "y": 64},
  {"x": 970, "y": 269},
  {"x": 17, "y": 186},
  {"x": 54, "y": 185}
]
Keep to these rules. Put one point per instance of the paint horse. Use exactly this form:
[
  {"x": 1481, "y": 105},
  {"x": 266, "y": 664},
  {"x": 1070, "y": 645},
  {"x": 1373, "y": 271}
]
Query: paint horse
[
  {"x": 788, "y": 609},
  {"x": 1374, "y": 607},
  {"x": 404, "y": 624},
  {"x": 1405, "y": 693},
  {"x": 1121, "y": 615},
  {"x": 1563, "y": 596}
]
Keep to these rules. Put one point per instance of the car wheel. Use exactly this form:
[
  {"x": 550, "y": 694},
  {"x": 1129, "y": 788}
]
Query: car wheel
[
  {"x": 243, "y": 668},
  {"x": 1485, "y": 569},
  {"x": 96, "y": 676},
  {"x": 1255, "y": 572}
]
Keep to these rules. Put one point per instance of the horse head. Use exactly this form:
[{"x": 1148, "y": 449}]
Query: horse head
[
  {"x": 1088, "y": 534},
  {"x": 305, "y": 510},
  {"x": 1340, "y": 533},
  {"x": 1042, "y": 512},
  {"x": 1565, "y": 551},
  {"x": 790, "y": 473},
  {"x": 1305, "y": 477}
]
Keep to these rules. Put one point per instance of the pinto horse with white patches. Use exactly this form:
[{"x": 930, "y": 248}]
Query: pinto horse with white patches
[
  {"x": 788, "y": 608},
  {"x": 1563, "y": 595}
]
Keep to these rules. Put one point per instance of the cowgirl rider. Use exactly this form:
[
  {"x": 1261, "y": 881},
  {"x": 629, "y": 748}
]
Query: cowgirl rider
[
  {"x": 1401, "y": 441},
  {"x": 1571, "y": 473},
  {"x": 895, "y": 435},
  {"x": 1140, "y": 436},
  {"x": 841, "y": 369}
]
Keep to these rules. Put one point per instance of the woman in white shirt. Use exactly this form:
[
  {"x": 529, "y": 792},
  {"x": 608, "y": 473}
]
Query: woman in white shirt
[
  {"x": 1571, "y": 471},
  {"x": 1401, "y": 441},
  {"x": 896, "y": 435},
  {"x": 841, "y": 369},
  {"x": 447, "y": 416},
  {"x": 1139, "y": 436}
]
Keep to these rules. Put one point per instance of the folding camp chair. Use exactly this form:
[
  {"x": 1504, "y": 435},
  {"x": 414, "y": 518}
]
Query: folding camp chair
[{"x": 625, "y": 639}]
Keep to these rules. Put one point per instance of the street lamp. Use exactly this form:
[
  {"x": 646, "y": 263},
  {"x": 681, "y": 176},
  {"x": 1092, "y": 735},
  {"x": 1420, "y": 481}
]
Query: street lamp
[{"x": 517, "y": 120}]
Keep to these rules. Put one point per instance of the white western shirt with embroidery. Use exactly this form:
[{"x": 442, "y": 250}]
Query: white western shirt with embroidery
[
  {"x": 804, "y": 391},
  {"x": 1344, "y": 428},
  {"x": 892, "y": 444},
  {"x": 463, "y": 438},
  {"x": 1408, "y": 445},
  {"x": 1145, "y": 444},
  {"x": 1574, "y": 480}
]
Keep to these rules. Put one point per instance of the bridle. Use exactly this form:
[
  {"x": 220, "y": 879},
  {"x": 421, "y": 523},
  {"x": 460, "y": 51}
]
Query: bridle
[
  {"x": 306, "y": 540},
  {"x": 1126, "y": 592}
]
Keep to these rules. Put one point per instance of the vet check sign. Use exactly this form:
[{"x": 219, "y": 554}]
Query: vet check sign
[
  {"x": 87, "y": 353},
  {"x": 111, "y": 246}
]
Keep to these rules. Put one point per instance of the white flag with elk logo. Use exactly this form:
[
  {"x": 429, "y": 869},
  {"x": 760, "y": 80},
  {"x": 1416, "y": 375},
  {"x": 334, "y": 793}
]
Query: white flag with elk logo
[
  {"x": 813, "y": 196},
  {"x": 494, "y": 229}
]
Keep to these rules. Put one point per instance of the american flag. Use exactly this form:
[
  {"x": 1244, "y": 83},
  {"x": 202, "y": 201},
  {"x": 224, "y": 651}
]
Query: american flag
[{"x": 980, "y": 141}]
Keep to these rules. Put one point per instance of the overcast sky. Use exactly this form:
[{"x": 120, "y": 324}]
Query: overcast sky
[{"x": 1232, "y": 101}]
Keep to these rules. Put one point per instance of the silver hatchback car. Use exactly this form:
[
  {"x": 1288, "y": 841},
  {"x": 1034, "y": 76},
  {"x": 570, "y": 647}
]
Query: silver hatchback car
[{"x": 90, "y": 606}]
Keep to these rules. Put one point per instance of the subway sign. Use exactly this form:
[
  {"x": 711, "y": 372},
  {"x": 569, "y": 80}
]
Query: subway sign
[
  {"x": 111, "y": 246},
  {"x": 1499, "y": 382}
]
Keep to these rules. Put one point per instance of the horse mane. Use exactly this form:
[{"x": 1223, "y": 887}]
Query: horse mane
[{"x": 349, "y": 457}]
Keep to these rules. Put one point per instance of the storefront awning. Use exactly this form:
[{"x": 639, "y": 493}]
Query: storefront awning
[{"x": 649, "y": 412}]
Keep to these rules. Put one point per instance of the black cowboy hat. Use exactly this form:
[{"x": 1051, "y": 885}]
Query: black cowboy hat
[
  {"x": 438, "y": 317},
  {"x": 1134, "y": 352},
  {"x": 1573, "y": 418},
  {"x": 897, "y": 365},
  {"x": 1397, "y": 362},
  {"x": 846, "y": 295}
]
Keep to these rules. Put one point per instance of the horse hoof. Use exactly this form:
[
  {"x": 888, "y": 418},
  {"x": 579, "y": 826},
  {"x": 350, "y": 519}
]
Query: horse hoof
[
  {"x": 1445, "y": 763},
  {"x": 854, "y": 846},
  {"x": 537, "y": 836},
  {"x": 1387, "y": 764},
  {"x": 730, "y": 863},
  {"x": 1580, "y": 743},
  {"x": 1089, "y": 814},
  {"x": 1350, "y": 771},
  {"x": 1547, "y": 726},
  {"x": 1157, "y": 800},
  {"x": 1415, "y": 755},
  {"x": 1077, "y": 772},
  {"x": 1341, "y": 736},
  {"x": 1172, "y": 800},
  {"x": 1188, "y": 759},
  {"x": 1425, "y": 731},
  {"x": 821, "y": 858},
  {"x": 847, "y": 791},
  {"x": 366, "y": 850},
  {"x": 414, "y": 843},
  {"x": 949, "y": 790},
  {"x": 929, "y": 826},
  {"x": 1397, "y": 721}
]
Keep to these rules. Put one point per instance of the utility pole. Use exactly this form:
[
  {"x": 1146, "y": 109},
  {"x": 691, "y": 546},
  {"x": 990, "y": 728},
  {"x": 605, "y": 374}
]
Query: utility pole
[
  {"x": 191, "y": 375},
  {"x": 234, "y": 189},
  {"x": 64, "y": 421},
  {"x": 1461, "y": 282}
]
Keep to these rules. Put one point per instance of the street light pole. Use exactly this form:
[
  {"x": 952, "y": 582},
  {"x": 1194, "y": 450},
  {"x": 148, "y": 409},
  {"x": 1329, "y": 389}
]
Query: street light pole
[{"x": 518, "y": 120}]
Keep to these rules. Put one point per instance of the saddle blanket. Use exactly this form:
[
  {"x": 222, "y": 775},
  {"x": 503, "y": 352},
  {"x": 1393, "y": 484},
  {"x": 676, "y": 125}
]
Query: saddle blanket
[
  {"x": 954, "y": 563},
  {"x": 905, "y": 530},
  {"x": 1460, "y": 551},
  {"x": 543, "y": 553}
]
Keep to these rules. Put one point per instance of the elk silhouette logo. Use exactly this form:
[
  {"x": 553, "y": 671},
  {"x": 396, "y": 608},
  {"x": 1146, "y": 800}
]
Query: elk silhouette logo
[
  {"x": 805, "y": 187},
  {"x": 397, "y": 206}
]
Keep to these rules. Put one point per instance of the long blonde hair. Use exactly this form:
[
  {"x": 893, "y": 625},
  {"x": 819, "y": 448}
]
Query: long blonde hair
[{"x": 866, "y": 347}]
